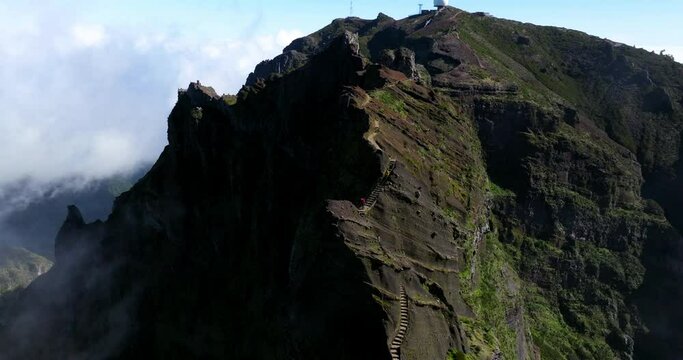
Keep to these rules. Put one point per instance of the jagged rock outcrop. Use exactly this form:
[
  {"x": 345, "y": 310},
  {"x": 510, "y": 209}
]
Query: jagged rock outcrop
[
  {"x": 517, "y": 208},
  {"x": 402, "y": 60},
  {"x": 281, "y": 64}
]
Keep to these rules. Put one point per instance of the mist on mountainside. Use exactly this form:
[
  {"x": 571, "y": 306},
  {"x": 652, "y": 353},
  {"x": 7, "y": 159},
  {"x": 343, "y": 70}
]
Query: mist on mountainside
[{"x": 33, "y": 221}]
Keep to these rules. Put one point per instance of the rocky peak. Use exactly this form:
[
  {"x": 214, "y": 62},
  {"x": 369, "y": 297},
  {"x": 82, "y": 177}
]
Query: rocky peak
[
  {"x": 200, "y": 94},
  {"x": 75, "y": 235},
  {"x": 74, "y": 218},
  {"x": 402, "y": 60}
]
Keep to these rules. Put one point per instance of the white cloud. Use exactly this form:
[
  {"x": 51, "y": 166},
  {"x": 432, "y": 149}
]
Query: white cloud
[
  {"x": 88, "y": 35},
  {"x": 676, "y": 51},
  {"x": 284, "y": 37},
  {"x": 86, "y": 101}
]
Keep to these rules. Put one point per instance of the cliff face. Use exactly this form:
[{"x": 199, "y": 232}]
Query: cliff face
[
  {"x": 18, "y": 268},
  {"x": 443, "y": 186}
]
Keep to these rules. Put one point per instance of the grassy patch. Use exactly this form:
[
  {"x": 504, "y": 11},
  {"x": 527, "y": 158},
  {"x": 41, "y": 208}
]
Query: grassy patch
[
  {"x": 498, "y": 191},
  {"x": 391, "y": 101},
  {"x": 582, "y": 336},
  {"x": 230, "y": 99},
  {"x": 554, "y": 337},
  {"x": 492, "y": 299},
  {"x": 458, "y": 355},
  {"x": 18, "y": 267}
]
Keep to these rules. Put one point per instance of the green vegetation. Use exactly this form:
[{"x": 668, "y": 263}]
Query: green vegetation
[
  {"x": 391, "y": 100},
  {"x": 501, "y": 291},
  {"x": 458, "y": 355},
  {"x": 197, "y": 113},
  {"x": 230, "y": 99},
  {"x": 498, "y": 191},
  {"x": 556, "y": 339},
  {"x": 492, "y": 298},
  {"x": 590, "y": 73},
  {"x": 18, "y": 267},
  {"x": 386, "y": 305}
]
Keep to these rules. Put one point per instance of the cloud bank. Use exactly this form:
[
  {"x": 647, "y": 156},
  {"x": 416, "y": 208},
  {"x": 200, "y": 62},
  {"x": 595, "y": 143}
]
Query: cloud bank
[{"x": 83, "y": 101}]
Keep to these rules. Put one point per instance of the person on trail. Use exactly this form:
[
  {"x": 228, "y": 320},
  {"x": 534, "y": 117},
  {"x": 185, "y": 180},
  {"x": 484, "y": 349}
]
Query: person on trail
[{"x": 362, "y": 201}]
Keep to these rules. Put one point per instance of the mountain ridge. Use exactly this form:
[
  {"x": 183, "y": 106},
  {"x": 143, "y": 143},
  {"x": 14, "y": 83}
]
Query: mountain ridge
[{"x": 513, "y": 218}]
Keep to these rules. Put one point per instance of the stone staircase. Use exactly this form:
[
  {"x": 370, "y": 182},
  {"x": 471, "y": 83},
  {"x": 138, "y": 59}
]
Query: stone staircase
[
  {"x": 395, "y": 348},
  {"x": 378, "y": 188}
]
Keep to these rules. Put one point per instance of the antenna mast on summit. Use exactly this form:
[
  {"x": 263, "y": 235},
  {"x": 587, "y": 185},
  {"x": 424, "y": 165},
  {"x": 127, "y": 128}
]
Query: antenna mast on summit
[{"x": 351, "y": 9}]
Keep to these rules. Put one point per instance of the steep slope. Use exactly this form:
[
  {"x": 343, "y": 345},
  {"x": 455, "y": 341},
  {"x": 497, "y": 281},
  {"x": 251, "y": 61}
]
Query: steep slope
[
  {"x": 18, "y": 268},
  {"x": 502, "y": 168},
  {"x": 575, "y": 127}
]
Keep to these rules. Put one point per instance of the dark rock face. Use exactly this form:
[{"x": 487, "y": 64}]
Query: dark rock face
[
  {"x": 658, "y": 101},
  {"x": 423, "y": 188},
  {"x": 402, "y": 60},
  {"x": 523, "y": 40},
  {"x": 281, "y": 64},
  {"x": 205, "y": 213}
]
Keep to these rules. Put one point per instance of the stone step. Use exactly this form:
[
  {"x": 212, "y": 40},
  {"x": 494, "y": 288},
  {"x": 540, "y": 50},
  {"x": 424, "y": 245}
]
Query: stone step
[
  {"x": 403, "y": 319},
  {"x": 379, "y": 186}
]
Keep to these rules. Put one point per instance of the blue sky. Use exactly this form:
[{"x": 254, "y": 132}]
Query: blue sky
[
  {"x": 641, "y": 22},
  {"x": 93, "y": 81}
]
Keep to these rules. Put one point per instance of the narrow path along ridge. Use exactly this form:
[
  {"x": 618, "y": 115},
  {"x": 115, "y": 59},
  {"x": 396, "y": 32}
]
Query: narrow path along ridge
[{"x": 379, "y": 186}]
